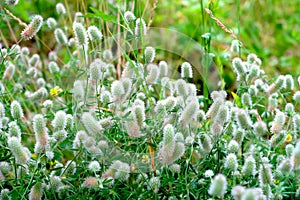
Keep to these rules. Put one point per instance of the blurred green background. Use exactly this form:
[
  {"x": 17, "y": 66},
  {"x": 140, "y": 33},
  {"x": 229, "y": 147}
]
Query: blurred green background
[{"x": 268, "y": 28}]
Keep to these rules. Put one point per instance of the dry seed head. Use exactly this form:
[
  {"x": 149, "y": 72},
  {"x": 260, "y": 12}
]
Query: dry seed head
[{"x": 32, "y": 28}]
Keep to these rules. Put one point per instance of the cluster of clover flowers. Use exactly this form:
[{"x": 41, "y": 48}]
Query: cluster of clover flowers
[{"x": 257, "y": 132}]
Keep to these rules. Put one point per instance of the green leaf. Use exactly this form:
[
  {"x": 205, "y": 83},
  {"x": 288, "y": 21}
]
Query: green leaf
[
  {"x": 101, "y": 15},
  {"x": 237, "y": 99}
]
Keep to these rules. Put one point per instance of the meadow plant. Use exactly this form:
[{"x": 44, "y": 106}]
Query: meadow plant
[{"x": 93, "y": 118}]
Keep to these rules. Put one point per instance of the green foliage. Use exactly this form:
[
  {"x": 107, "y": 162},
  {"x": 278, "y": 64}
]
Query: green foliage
[{"x": 113, "y": 119}]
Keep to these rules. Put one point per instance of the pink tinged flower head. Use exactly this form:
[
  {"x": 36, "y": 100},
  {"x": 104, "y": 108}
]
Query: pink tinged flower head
[
  {"x": 36, "y": 192},
  {"x": 32, "y": 28}
]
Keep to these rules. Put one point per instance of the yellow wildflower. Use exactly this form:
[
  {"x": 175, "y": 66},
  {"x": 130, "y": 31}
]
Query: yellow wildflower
[
  {"x": 55, "y": 91},
  {"x": 276, "y": 181},
  {"x": 288, "y": 138}
]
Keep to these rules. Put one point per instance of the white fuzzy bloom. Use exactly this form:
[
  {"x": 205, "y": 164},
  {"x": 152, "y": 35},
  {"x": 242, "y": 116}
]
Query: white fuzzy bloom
[
  {"x": 94, "y": 166},
  {"x": 129, "y": 16},
  {"x": 94, "y": 33},
  {"x": 186, "y": 70},
  {"x": 140, "y": 27},
  {"x": 231, "y": 162},
  {"x": 60, "y": 9},
  {"x": 80, "y": 34},
  {"x": 209, "y": 173},
  {"x": 16, "y": 110},
  {"x": 218, "y": 186},
  {"x": 51, "y": 23}
]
